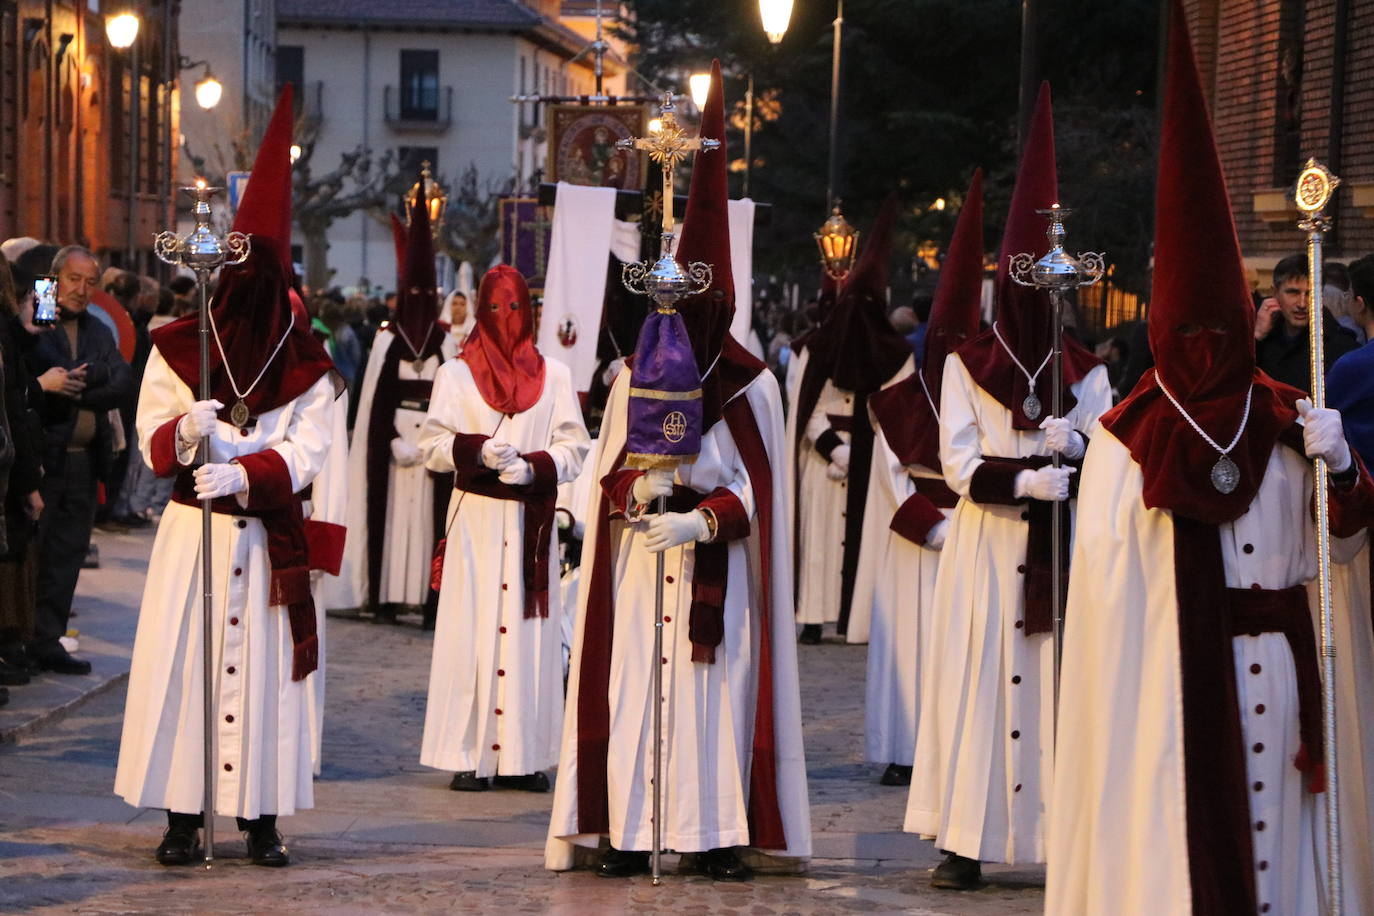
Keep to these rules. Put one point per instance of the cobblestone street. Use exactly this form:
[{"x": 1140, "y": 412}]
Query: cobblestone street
[{"x": 387, "y": 836}]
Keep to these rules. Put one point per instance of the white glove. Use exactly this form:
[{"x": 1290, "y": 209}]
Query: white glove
[
  {"x": 216, "y": 480},
  {"x": 517, "y": 473},
  {"x": 612, "y": 370},
  {"x": 839, "y": 456},
  {"x": 496, "y": 455},
  {"x": 834, "y": 472},
  {"x": 1323, "y": 436},
  {"x": 199, "y": 421},
  {"x": 935, "y": 538},
  {"x": 1048, "y": 484},
  {"x": 405, "y": 454},
  {"x": 674, "y": 528},
  {"x": 651, "y": 485},
  {"x": 1061, "y": 437}
]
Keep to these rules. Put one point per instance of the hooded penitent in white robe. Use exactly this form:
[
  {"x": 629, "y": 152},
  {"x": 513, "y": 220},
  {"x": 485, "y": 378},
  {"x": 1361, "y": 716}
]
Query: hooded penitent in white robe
[
  {"x": 893, "y": 604},
  {"x": 985, "y": 743},
  {"x": 408, "y": 546},
  {"x": 263, "y": 751},
  {"x": 325, "y": 519},
  {"x": 1118, "y": 837},
  {"x": 496, "y": 678},
  {"x": 727, "y": 783},
  {"x": 820, "y": 502}
]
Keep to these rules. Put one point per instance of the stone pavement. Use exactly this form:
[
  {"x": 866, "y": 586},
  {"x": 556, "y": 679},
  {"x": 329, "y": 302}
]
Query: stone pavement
[{"x": 387, "y": 836}]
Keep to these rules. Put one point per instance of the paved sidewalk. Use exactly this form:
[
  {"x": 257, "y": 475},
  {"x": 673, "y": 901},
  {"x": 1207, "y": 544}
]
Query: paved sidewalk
[{"x": 387, "y": 836}]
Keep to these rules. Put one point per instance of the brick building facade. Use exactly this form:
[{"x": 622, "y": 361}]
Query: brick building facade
[
  {"x": 1289, "y": 79},
  {"x": 65, "y": 122}
]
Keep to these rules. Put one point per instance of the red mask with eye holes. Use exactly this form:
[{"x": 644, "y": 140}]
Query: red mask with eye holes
[
  {"x": 505, "y": 364},
  {"x": 1201, "y": 327}
]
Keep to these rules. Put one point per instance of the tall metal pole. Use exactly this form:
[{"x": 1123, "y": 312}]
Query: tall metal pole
[
  {"x": 203, "y": 252},
  {"x": 661, "y": 508},
  {"x": 1057, "y": 272},
  {"x": 833, "y": 174},
  {"x": 207, "y": 606},
  {"x": 748, "y": 132},
  {"x": 1314, "y": 189},
  {"x": 129, "y": 247},
  {"x": 1057, "y": 509},
  {"x": 1030, "y": 68}
]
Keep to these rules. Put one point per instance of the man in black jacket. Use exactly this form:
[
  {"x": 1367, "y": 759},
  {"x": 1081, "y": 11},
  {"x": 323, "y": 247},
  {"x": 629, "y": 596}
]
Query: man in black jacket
[
  {"x": 1281, "y": 342},
  {"x": 78, "y": 447}
]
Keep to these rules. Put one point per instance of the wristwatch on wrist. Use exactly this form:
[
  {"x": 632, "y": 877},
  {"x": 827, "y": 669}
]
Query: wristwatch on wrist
[{"x": 712, "y": 524}]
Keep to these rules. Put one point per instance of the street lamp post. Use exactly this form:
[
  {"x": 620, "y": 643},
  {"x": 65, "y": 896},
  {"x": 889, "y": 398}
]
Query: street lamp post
[
  {"x": 775, "y": 15},
  {"x": 122, "y": 31}
]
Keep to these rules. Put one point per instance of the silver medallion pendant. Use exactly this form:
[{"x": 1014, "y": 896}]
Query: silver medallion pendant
[
  {"x": 238, "y": 414},
  {"x": 418, "y": 365},
  {"x": 1031, "y": 407},
  {"x": 1225, "y": 475}
]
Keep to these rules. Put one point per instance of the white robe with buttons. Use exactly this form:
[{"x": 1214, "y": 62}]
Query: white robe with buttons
[
  {"x": 496, "y": 677},
  {"x": 328, "y": 503},
  {"x": 708, "y": 709},
  {"x": 409, "y": 543},
  {"x": 893, "y": 596},
  {"x": 982, "y": 793},
  {"x": 1117, "y": 822},
  {"x": 263, "y": 757}
]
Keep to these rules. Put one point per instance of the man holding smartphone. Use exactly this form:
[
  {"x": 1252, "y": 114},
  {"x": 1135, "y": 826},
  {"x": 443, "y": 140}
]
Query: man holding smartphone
[{"x": 78, "y": 442}]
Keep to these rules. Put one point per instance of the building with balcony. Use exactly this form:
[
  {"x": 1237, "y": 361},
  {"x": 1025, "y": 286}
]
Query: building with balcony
[
  {"x": 87, "y": 132},
  {"x": 431, "y": 80}
]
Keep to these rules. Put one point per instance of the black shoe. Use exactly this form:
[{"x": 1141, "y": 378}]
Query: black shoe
[
  {"x": 18, "y": 657},
  {"x": 723, "y": 865},
  {"x": 112, "y": 525},
  {"x": 810, "y": 634},
  {"x": 468, "y": 781},
  {"x": 265, "y": 847},
  {"x": 532, "y": 782},
  {"x": 617, "y": 863},
  {"x": 133, "y": 522},
  {"x": 179, "y": 846},
  {"x": 10, "y": 676},
  {"x": 92, "y": 560},
  {"x": 957, "y": 873},
  {"x": 62, "y": 662},
  {"x": 896, "y": 775}
]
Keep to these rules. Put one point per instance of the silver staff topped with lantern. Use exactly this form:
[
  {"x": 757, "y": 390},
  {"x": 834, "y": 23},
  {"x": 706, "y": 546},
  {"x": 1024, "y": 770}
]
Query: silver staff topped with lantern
[
  {"x": 203, "y": 252},
  {"x": 1058, "y": 273},
  {"x": 664, "y": 421}
]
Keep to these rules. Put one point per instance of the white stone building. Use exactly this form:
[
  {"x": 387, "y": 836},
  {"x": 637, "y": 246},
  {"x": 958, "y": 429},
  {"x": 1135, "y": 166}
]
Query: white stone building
[{"x": 432, "y": 80}]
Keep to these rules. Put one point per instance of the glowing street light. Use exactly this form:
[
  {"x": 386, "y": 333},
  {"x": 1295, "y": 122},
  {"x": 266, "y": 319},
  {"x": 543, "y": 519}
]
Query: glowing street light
[
  {"x": 776, "y": 15},
  {"x": 122, "y": 30},
  {"x": 700, "y": 85},
  {"x": 296, "y": 152},
  {"x": 208, "y": 90}
]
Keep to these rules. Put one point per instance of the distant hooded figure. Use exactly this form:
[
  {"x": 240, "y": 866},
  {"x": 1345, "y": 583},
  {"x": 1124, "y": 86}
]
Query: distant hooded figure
[
  {"x": 733, "y": 761},
  {"x": 505, "y": 422},
  {"x": 1190, "y": 717},
  {"x": 907, "y": 511},
  {"x": 853, "y": 354},
  {"x": 396, "y": 513},
  {"x": 269, "y": 422}
]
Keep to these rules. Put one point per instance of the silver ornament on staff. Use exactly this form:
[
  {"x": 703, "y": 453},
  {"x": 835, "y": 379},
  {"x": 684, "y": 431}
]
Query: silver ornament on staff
[
  {"x": 665, "y": 281},
  {"x": 203, "y": 252},
  {"x": 1058, "y": 273},
  {"x": 1313, "y": 191}
]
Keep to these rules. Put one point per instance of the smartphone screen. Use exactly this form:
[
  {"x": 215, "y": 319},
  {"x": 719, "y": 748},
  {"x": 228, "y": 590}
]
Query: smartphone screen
[{"x": 45, "y": 301}]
